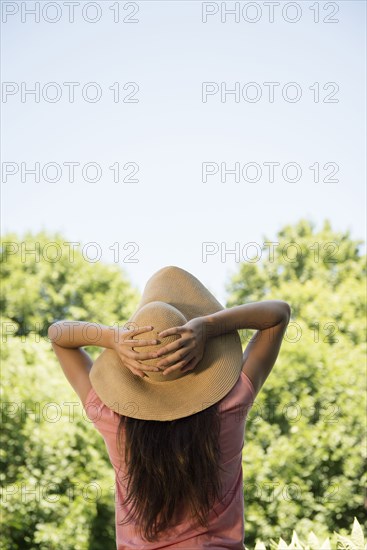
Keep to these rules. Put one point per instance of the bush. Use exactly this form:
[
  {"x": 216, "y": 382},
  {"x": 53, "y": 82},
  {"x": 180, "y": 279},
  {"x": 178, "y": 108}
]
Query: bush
[
  {"x": 305, "y": 451},
  {"x": 354, "y": 542},
  {"x": 303, "y": 460}
]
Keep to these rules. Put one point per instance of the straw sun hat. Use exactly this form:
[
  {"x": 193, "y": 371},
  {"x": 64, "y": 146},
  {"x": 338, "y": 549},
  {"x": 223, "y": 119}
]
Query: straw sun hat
[{"x": 171, "y": 297}]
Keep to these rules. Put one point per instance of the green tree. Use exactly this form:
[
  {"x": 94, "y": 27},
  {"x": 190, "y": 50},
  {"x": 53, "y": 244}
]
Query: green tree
[
  {"x": 44, "y": 279},
  {"x": 303, "y": 458},
  {"x": 57, "y": 482},
  {"x": 305, "y": 453}
]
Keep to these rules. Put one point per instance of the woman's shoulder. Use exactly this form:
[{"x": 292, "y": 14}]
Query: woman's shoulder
[
  {"x": 242, "y": 394},
  {"x": 102, "y": 416}
]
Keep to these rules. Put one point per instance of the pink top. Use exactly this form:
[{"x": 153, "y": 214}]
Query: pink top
[{"x": 225, "y": 531}]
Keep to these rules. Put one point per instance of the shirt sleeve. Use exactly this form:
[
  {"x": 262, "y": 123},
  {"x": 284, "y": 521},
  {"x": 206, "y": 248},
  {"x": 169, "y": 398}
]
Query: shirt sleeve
[
  {"x": 251, "y": 391},
  {"x": 104, "y": 419}
]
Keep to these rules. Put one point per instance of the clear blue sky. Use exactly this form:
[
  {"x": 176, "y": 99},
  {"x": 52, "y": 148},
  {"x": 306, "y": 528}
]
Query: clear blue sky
[{"x": 170, "y": 132}]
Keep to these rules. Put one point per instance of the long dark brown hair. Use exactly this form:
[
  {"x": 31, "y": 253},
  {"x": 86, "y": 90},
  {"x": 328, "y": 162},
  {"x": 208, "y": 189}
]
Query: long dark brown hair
[{"x": 170, "y": 464}]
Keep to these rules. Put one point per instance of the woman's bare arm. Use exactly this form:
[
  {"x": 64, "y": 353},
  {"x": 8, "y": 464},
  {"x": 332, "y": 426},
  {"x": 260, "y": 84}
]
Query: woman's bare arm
[
  {"x": 67, "y": 340},
  {"x": 270, "y": 318},
  {"x": 254, "y": 315}
]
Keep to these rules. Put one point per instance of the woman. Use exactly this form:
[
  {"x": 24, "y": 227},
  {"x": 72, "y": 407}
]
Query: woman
[{"x": 173, "y": 414}]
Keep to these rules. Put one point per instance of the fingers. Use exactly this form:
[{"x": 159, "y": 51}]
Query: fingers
[
  {"x": 190, "y": 365},
  {"x": 137, "y": 367},
  {"x": 174, "y": 352},
  {"x": 138, "y": 373},
  {"x": 174, "y": 362},
  {"x": 169, "y": 348},
  {"x": 135, "y": 358},
  {"x": 141, "y": 329},
  {"x": 141, "y": 356},
  {"x": 136, "y": 343},
  {"x": 170, "y": 331},
  {"x": 180, "y": 365}
]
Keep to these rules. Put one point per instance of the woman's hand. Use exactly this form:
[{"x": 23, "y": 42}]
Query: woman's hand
[
  {"x": 187, "y": 351},
  {"x": 130, "y": 358}
]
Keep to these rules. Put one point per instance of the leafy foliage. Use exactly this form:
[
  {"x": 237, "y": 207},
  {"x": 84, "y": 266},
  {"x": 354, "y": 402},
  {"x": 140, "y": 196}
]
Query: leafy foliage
[
  {"x": 56, "y": 477},
  {"x": 45, "y": 278},
  {"x": 354, "y": 542},
  {"x": 57, "y": 482},
  {"x": 303, "y": 457},
  {"x": 305, "y": 453}
]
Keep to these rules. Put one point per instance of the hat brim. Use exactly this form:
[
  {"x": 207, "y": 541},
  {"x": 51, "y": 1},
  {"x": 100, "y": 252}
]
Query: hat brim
[
  {"x": 215, "y": 375},
  {"x": 144, "y": 398}
]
